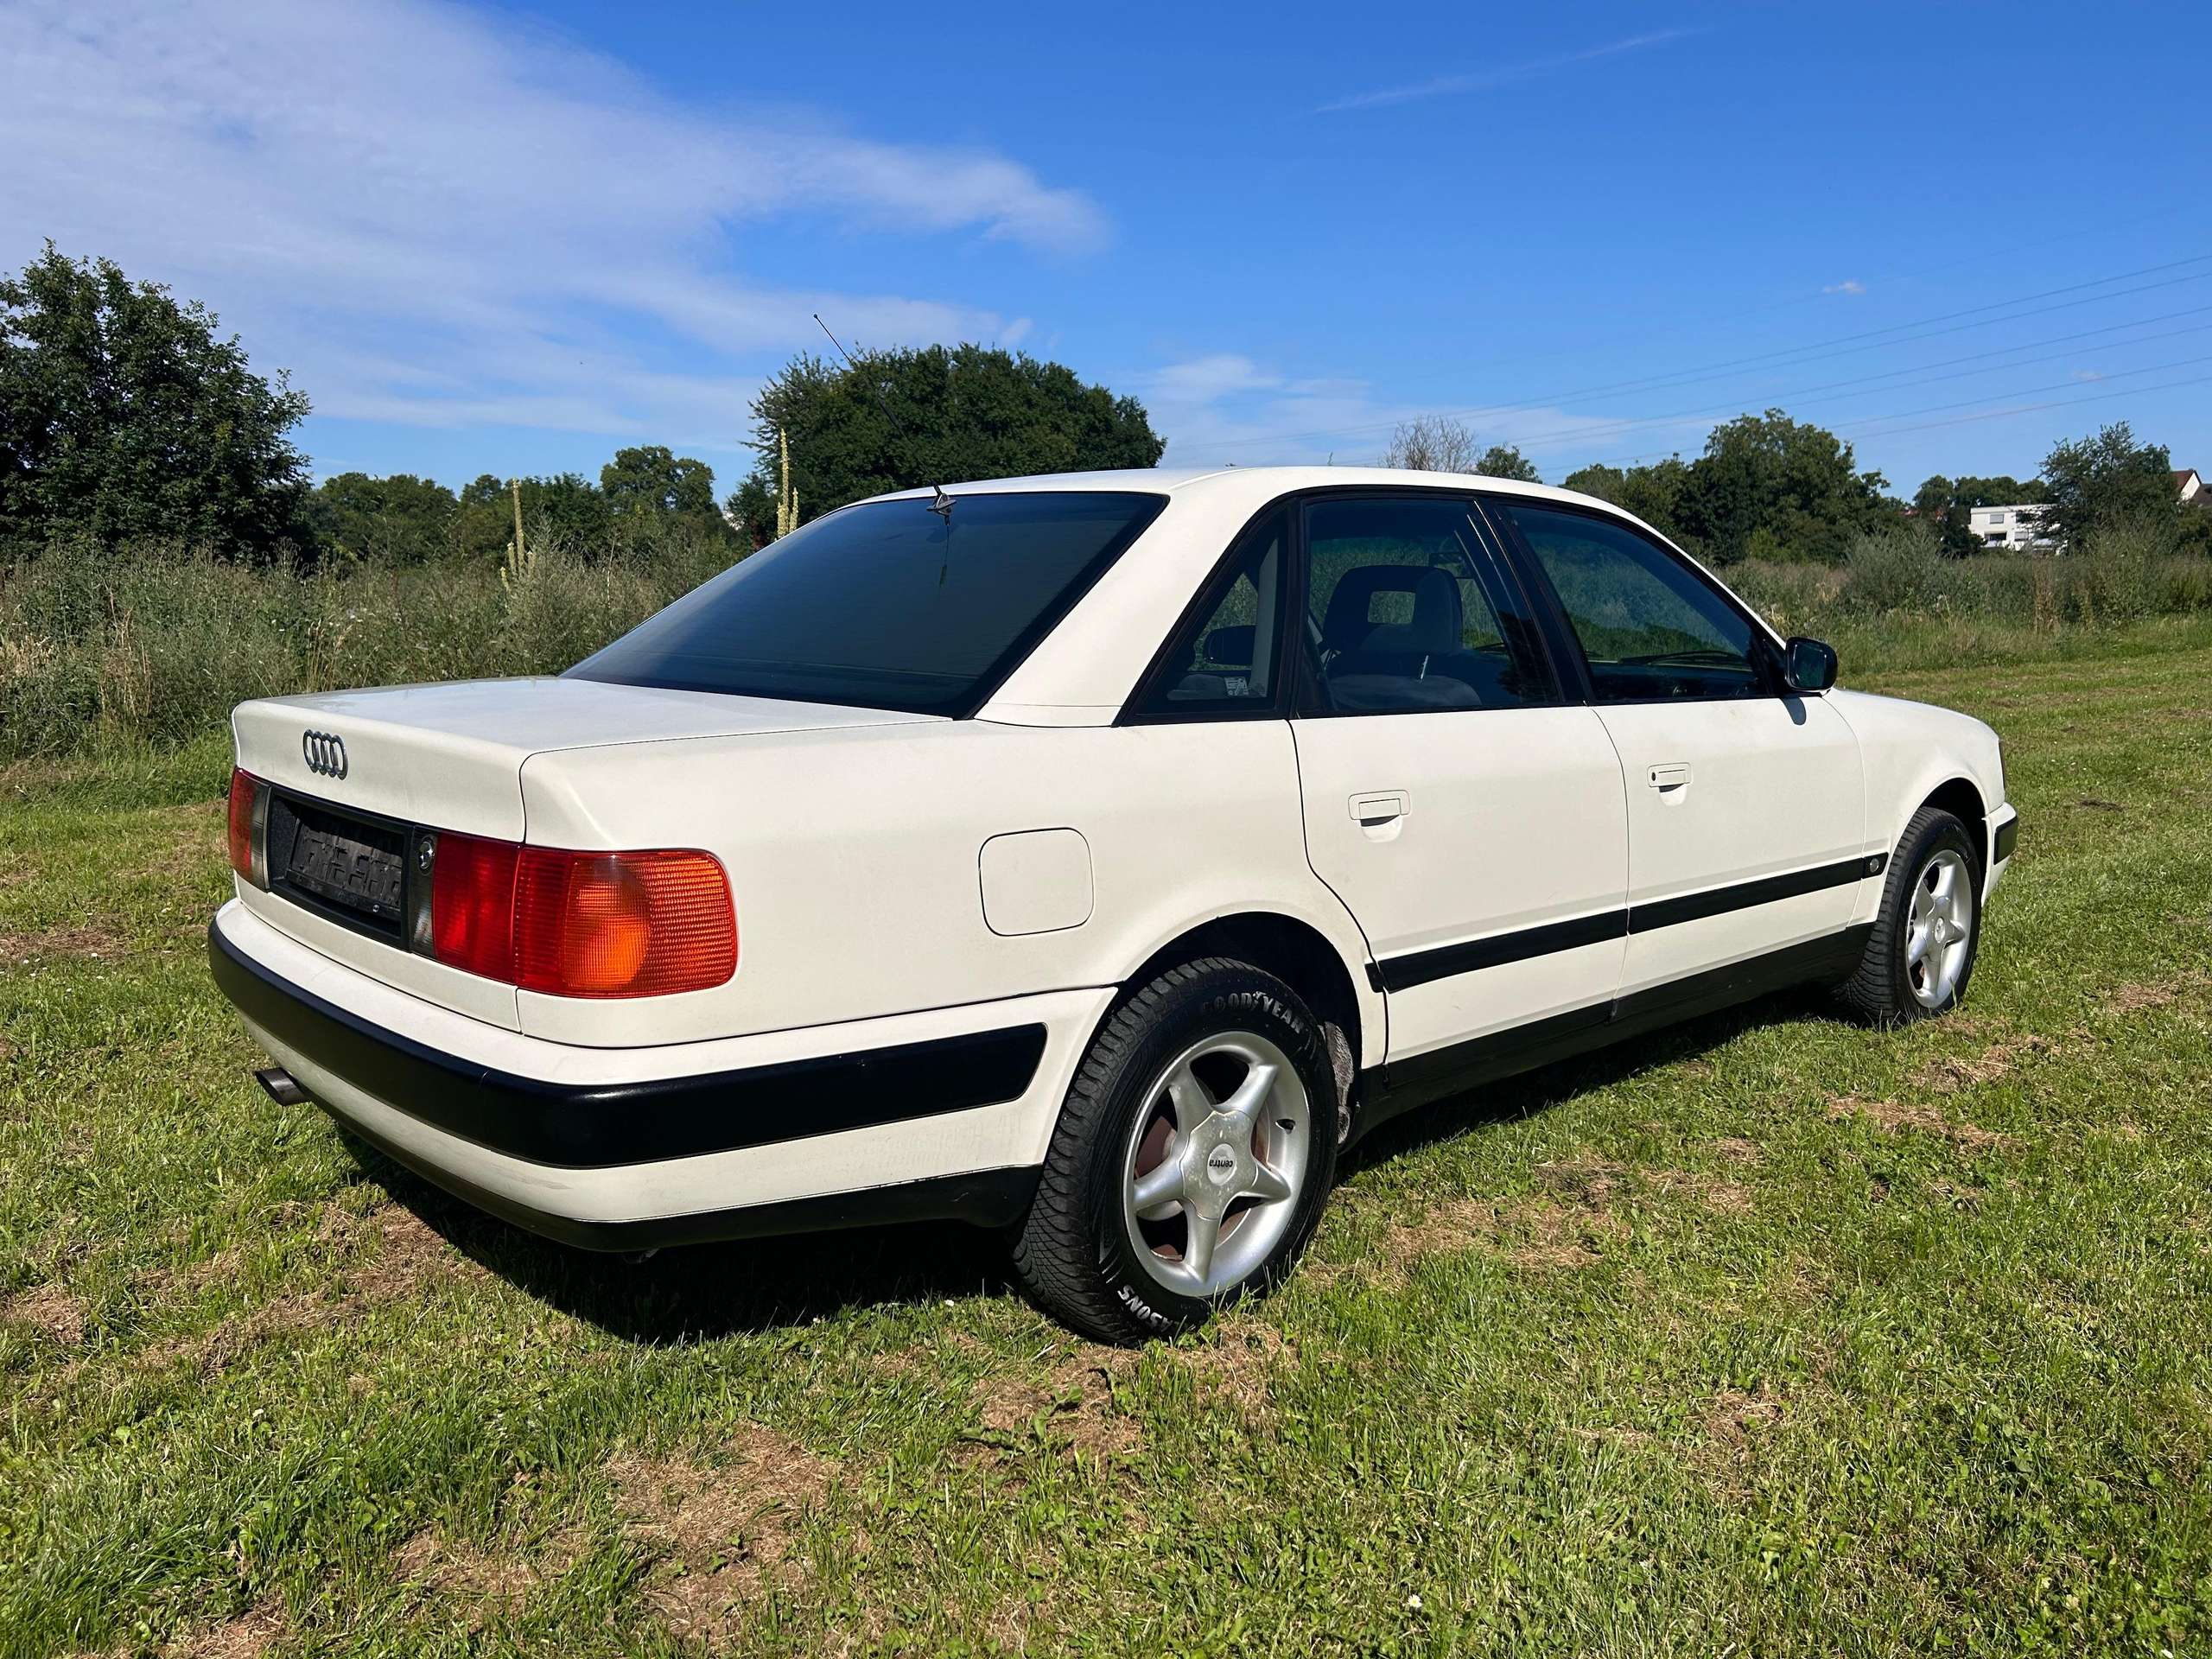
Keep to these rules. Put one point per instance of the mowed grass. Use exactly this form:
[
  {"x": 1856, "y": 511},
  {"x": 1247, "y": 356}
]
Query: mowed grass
[{"x": 1768, "y": 1335}]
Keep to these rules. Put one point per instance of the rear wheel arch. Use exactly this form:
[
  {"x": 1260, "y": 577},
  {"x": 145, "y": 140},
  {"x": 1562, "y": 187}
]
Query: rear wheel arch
[{"x": 1294, "y": 951}]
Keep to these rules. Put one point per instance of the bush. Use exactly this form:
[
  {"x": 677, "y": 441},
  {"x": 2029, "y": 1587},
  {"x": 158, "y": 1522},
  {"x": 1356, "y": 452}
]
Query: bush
[
  {"x": 1899, "y": 568},
  {"x": 160, "y": 645},
  {"x": 157, "y": 644}
]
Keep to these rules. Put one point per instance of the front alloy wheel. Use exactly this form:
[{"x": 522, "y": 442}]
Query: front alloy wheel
[{"x": 1921, "y": 953}]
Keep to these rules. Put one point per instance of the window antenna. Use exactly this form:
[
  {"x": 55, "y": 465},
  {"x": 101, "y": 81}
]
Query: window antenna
[
  {"x": 940, "y": 504},
  {"x": 891, "y": 419}
]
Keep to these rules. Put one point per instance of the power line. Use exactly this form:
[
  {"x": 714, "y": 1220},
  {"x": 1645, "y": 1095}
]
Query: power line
[
  {"x": 2060, "y": 402},
  {"x": 1798, "y": 399},
  {"x": 1818, "y": 351},
  {"x": 1985, "y": 415}
]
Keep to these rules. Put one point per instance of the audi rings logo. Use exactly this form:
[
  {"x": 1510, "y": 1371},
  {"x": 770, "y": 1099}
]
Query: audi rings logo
[{"x": 325, "y": 751}]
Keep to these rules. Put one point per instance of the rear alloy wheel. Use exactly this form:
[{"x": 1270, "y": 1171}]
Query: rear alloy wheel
[
  {"x": 1216, "y": 1159},
  {"x": 1922, "y": 953},
  {"x": 1193, "y": 1156}
]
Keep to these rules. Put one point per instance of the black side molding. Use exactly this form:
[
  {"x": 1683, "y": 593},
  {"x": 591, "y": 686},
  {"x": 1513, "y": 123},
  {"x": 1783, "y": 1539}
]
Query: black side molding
[
  {"x": 1442, "y": 962},
  {"x": 595, "y": 1126},
  {"x": 2008, "y": 837}
]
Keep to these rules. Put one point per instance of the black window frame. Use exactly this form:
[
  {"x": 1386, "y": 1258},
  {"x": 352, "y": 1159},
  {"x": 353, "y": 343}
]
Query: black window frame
[
  {"x": 1294, "y": 687},
  {"x": 1766, "y": 657},
  {"x": 1019, "y": 650},
  {"x": 1206, "y": 598},
  {"x": 1306, "y": 704}
]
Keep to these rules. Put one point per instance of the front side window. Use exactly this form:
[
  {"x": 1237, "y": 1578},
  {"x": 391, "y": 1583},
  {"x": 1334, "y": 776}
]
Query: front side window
[
  {"x": 1408, "y": 610},
  {"x": 1223, "y": 660},
  {"x": 889, "y": 605},
  {"x": 1650, "y": 627}
]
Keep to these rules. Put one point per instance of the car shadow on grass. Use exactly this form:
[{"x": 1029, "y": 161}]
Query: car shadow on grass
[
  {"x": 1511, "y": 1099},
  {"x": 755, "y": 1285},
  {"x": 694, "y": 1292}
]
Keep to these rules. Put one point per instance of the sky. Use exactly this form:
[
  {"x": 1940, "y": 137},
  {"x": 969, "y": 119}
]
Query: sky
[{"x": 509, "y": 239}]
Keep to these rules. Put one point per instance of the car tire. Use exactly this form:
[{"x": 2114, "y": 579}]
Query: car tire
[
  {"x": 1193, "y": 1156},
  {"x": 1928, "y": 929}
]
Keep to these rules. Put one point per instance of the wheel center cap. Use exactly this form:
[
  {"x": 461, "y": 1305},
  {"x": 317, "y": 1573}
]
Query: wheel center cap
[{"x": 1221, "y": 1165}]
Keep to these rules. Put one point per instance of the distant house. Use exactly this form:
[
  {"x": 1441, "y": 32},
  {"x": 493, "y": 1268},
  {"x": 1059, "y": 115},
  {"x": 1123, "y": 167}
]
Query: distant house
[
  {"x": 2188, "y": 486},
  {"x": 2015, "y": 528}
]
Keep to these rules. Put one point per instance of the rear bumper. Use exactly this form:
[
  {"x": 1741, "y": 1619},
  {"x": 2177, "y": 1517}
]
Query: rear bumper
[{"x": 938, "y": 1115}]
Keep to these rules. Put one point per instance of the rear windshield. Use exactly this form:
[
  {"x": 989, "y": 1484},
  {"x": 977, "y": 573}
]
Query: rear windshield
[{"x": 889, "y": 606}]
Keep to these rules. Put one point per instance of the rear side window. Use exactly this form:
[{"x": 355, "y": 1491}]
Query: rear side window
[
  {"x": 1408, "y": 611},
  {"x": 1224, "y": 661},
  {"x": 1651, "y": 628},
  {"x": 891, "y": 605}
]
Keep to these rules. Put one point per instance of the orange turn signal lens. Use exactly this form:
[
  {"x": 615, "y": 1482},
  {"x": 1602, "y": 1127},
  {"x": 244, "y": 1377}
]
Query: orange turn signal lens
[{"x": 622, "y": 924}]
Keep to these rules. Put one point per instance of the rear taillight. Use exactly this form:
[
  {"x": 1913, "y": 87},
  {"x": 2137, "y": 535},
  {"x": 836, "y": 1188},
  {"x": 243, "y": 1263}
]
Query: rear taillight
[
  {"x": 249, "y": 814},
  {"x": 579, "y": 924},
  {"x": 473, "y": 905}
]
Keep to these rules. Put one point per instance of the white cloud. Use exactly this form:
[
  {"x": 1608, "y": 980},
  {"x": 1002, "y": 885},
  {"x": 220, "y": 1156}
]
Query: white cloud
[
  {"x": 438, "y": 217},
  {"x": 1848, "y": 285},
  {"x": 1224, "y": 409},
  {"x": 1504, "y": 75}
]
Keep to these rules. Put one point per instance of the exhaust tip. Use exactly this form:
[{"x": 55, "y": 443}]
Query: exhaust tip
[{"x": 280, "y": 1086}]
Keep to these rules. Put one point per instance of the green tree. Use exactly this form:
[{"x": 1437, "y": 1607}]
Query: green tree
[
  {"x": 2098, "y": 480},
  {"x": 1768, "y": 486},
  {"x": 567, "y": 506},
  {"x": 652, "y": 479},
  {"x": 1653, "y": 493},
  {"x": 1504, "y": 460},
  {"x": 123, "y": 416},
  {"x": 402, "y": 520},
  {"x": 898, "y": 419}
]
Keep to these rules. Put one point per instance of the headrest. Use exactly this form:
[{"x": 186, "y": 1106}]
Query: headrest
[
  {"x": 1432, "y": 628},
  {"x": 1231, "y": 647}
]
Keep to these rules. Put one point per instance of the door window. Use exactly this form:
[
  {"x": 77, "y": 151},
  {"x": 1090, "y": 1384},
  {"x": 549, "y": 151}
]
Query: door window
[
  {"x": 1224, "y": 661},
  {"x": 1408, "y": 609},
  {"x": 1651, "y": 628}
]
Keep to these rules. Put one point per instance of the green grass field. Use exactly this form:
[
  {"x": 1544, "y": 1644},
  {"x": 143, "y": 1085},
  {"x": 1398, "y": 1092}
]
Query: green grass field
[{"x": 1768, "y": 1335}]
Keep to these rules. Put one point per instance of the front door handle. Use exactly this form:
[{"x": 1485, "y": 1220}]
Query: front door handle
[
  {"x": 1672, "y": 778},
  {"x": 1381, "y": 807}
]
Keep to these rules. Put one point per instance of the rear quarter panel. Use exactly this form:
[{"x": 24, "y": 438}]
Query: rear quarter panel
[{"x": 854, "y": 857}]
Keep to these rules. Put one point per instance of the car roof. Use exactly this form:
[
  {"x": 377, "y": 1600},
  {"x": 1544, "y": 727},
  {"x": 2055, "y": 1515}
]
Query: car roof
[{"x": 1185, "y": 481}]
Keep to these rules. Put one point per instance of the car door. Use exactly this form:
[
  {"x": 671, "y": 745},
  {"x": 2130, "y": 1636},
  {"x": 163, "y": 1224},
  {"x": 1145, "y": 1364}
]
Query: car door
[
  {"x": 1465, "y": 808},
  {"x": 1746, "y": 802}
]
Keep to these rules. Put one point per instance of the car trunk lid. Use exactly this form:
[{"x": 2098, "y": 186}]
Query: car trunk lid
[
  {"x": 450, "y": 756},
  {"x": 354, "y": 772}
]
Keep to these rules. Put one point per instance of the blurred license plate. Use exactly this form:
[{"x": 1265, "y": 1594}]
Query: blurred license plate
[{"x": 340, "y": 869}]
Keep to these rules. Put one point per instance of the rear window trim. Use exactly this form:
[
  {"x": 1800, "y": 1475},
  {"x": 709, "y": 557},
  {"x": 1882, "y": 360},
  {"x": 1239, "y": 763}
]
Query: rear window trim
[{"x": 1147, "y": 506}]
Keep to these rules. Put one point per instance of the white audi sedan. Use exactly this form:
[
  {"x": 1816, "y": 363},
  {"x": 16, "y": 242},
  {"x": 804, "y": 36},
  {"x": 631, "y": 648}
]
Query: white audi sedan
[{"x": 1094, "y": 856}]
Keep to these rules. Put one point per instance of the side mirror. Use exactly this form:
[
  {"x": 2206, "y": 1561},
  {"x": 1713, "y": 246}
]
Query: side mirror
[{"x": 1810, "y": 665}]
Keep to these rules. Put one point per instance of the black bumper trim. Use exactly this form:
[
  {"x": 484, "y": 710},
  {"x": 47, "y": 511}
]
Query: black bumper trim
[
  {"x": 597, "y": 1126},
  {"x": 2008, "y": 837},
  {"x": 984, "y": 1197}
]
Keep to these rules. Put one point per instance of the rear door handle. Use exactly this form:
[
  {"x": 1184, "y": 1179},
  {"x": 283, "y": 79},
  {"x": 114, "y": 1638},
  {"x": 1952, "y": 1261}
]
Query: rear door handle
[
  {"x": 1381, "y": 807},
  {"x": 1672, "y": 776}
]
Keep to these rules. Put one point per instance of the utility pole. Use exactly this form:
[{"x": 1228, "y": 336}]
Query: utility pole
[{"x": 514, "y": 488}]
